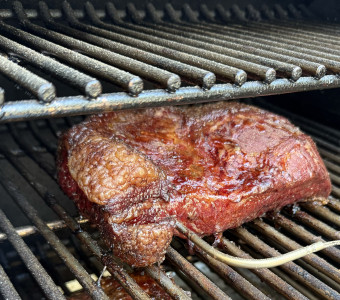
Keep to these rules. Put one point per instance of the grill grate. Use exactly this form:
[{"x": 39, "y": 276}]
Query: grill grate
[
  {"x": 153, "y": 57},
  {"x": 29, "y": 149}
]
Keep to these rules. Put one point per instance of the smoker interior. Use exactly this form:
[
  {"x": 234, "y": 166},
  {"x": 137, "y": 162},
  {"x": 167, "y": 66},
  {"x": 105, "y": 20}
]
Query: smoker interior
[
  {"x": 28, "y": 175},
  {"x": 74, "y": 257}
]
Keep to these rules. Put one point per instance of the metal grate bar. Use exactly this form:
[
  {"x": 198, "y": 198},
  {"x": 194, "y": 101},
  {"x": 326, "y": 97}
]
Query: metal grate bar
[
  {"x": 2, "y": 98},
  {"x": 172, "y": 289},
  {"x": 6, "y": 287},
  {"x": 41, "y": 276},
  {"x": 299, "y": 33},
  {"x": 322, "y": 212},
  {"x": 303, "y": 55},
  {"x": 24, "y": 231},
  {"x": 32, "y": 152},
  {"x": 50, "y": 146},
  {"x": 312, "y": 259},
  {"x": 203, "y": 77},
  {"x": 204, "y": 33},
  {"x": 266, "y": 275},
  {"x": 279, "y": 34},
  {"x": 334, "y": 204},
  {"x": 219, "y": 68},
  {"x": 329, "y": 155},
  {"x": 133, "y": 84},
  {"x": 243, "y": 60},
  {"x": 86, "y": 84},
  {"x": 291, "y": 268},
  {"x": 76, "y": 268},
  {"x": 305, "y": 235},
  {"x": 332, "y": 167},
  {"x": 244, "y": 39},
  {"x": 259, "y": 31},
  {"x": 41, "y": 88},
  {"x": 291, "y": 281},
  {"x": 31, "y": 109},
  {"x": 164, "y": 78},
  {"x": 201, "y": 280},
  {"x": 316, "y": 224},
  {"x": 233, "y": 278}
]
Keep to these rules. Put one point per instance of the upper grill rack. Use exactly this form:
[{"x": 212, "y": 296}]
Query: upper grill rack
[
  {"x": 125, "y": 51},
  {"x": 26, "y": 147}
]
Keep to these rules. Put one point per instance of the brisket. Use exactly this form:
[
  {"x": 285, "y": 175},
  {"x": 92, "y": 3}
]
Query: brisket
[{"x": 211, "y": 167}]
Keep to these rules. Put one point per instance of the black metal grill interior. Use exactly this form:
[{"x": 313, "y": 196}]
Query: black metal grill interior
[{"x": 71, "y": 62}]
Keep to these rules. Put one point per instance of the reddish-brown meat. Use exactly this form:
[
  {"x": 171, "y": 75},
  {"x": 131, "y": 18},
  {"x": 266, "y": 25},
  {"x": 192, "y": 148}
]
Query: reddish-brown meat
[
  {"x": 116, "y": 292},
  {"x": 211, "y": 167}
]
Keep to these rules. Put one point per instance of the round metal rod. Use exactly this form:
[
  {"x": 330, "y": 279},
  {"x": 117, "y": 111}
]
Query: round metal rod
[
  {"x": 334, "y": 204},
  {"x": 265, "y": 275},
  {"x": 256, "y": 65},
  {"x": 329, "y": 155},
  {"x": 39, "y": 273},
  {"x": 309, "y": 55},
  {"x": 191, "y": 73},
  {"x": 28, "y": 230},
  {"x": 73, "y": 264},
  {"x": 89, "y": 86},
  {"x": 303, "y": 33},
  {"x": 315, "y": 224},
  {"x": 264, "y": 68},
  {"x": 2, "y": 96},
  {"x": 332, "y": 167},
  {"x": 29, "y": 109},
  {"x": 201, "y": 280},
  {"x": 172, "y": 289},
  {"x": 304, "y": 235},
  {"x": 253, "y": 263},
  {"x": 310, "y": 60},
  {"x": 39, "y": 87},
  {"x": 291, "y": 268},
  {"x": 222, "y": 40},
  {"x": 322, "y": 212},
  {"x": 312, "y": 259},
  {"x": 25, "y": 143},
  {"x": 132, "y": 83},
  {"x": 164, "y": 78},
  {"x": 225, "y": 71},
  {"x": 6, "y": 287},
  {"x": 232, "y": 277},
  {"x": 324, "y": 144}
]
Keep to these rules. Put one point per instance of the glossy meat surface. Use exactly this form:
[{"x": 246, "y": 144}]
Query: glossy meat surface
[
  {"x": 212, "y": 167},
  {"x": 116, "y": 292}
]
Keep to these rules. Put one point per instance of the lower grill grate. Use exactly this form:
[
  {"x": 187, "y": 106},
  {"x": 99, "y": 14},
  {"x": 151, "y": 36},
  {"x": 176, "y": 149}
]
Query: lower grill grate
[
  {"x": 184, "y": 53},
  {"x": 28, "y": 176}
]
